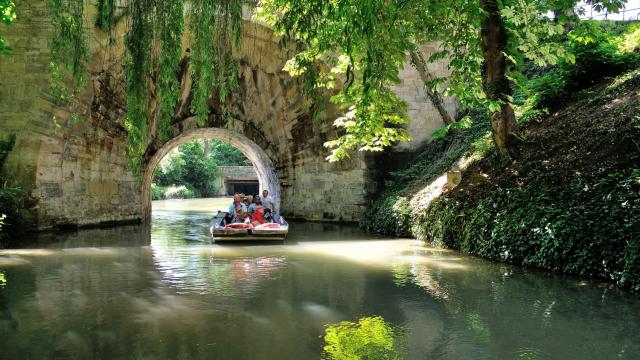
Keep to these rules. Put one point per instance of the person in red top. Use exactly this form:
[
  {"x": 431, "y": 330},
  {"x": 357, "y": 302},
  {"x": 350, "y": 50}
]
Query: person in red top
[{"x": 258, "y": 216}]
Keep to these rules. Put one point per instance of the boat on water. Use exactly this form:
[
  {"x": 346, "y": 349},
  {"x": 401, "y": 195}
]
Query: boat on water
[{"x": 276, "y": 231}]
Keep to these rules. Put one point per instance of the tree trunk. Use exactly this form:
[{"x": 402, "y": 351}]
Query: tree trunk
[
  {"x": 425, "y": 76},
  {"x": 494, "y": 76}
]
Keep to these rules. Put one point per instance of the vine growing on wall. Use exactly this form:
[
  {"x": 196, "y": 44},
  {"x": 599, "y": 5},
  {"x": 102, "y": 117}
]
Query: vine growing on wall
[
  {"x": 154, "y": 52},
  {"x": 154, "y": 41},
  {"x": 215, "y": 31},
  {"x": 138, "y": 70},
  {"x": 169, "y": 27},
  {"x": 69, "y": 49},
  {"x": 106, "y": 14}
]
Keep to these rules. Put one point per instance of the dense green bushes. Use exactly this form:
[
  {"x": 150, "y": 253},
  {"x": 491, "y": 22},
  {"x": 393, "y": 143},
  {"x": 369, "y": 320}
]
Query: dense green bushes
[
  {"x": 172, "y": 192},
  {"x": 600, "y": 51},
  {"x": 591, "y": 227}
]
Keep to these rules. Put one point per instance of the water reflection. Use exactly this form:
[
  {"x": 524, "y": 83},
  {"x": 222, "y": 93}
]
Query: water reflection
[{"x": 169, "y": 293}]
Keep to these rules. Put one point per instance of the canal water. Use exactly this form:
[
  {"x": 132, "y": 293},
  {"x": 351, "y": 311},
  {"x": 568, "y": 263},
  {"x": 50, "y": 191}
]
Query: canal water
[{"x": 168, "y": 293}]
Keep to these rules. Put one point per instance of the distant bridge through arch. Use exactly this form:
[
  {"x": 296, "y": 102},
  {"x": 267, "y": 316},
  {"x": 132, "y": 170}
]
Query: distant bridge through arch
[{"x": 262, "y": 164}]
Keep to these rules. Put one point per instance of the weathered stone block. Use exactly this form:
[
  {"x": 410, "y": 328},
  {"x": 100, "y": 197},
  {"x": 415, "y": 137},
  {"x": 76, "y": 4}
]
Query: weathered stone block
[{"x": 51, "y": 190}]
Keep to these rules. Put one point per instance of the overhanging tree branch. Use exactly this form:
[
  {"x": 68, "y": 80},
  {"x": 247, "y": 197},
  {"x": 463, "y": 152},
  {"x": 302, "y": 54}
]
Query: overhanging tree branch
[{"x": 418, "y": 62}]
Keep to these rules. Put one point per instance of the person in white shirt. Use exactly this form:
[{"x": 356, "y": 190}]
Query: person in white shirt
[{"x": 268, "y": 202}]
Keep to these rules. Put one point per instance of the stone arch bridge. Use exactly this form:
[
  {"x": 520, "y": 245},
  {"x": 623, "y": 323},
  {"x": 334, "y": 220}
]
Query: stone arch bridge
[{"x": 78, "y": 174}]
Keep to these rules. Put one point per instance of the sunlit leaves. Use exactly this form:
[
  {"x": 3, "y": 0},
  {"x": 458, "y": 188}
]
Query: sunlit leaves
[
  {"x": 359, "y": 44},
  {"x": 364, "y": 42},
  {"x": 7, "y": 16},
  {"x": 368, "y": 126},
  {"x": 532, "y": 35}
]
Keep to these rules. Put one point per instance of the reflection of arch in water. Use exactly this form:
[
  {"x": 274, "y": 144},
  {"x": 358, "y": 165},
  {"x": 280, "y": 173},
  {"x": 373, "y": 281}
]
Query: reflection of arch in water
[{"x": 261, "y": 162}]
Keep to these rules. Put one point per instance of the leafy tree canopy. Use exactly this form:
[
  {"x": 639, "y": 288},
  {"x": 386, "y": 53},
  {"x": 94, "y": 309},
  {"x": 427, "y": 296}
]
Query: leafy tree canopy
[
  {"x": 227, "y": 155},
  {"x": 363, "y": 44}
]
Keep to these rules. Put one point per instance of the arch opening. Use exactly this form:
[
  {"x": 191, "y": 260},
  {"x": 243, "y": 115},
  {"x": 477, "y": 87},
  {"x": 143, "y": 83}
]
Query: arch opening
[{"x": 262, "y": 164}]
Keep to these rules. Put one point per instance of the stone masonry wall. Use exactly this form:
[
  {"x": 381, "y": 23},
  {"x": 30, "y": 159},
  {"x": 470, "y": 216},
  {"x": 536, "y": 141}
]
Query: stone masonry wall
[
  {"x": 78, "y": 173},
  {"x": 425, "y": 119},
  {"x": 230, "y": 173}
]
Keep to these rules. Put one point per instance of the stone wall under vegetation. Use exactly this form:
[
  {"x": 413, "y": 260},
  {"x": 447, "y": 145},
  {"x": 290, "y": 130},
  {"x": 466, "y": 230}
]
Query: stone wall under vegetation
[{"x": 71, "y": 158}]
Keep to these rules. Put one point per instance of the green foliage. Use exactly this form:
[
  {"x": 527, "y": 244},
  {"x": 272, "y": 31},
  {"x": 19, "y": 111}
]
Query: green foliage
[
  {"x": 590, "y": 228},
  {"x": 69, "y": 49},
  {"x": 138, "y": 70},
  {"x": 598, "y": 52},
  {"x": 157, "y": 192},
  {"x": 362, "y": 44},
  {"x": 172, "y": 192},
  {"x": 215, "y": 32},
  {"x": 154, "y": 42},
  {"x": 371, "y": 338},
  {"x": 390, "y": 214},
  {"x": 187, "y": 172},
  {"x": 631, "y": 39},
  {"x": 370, "y": 125},
  {"x": 367, "y": 53},
  {"x": 463, "y": 123},
  {"x": 188, "y": 166},
  {"x": 106, "y": 14},
  {"x": 181, "y": 192},
  {"x": 7, "y": 16},
  {"x": 225, "y": 154},
  {"x": 169, "y": 24},
  {"x": 200, "y": 171}
]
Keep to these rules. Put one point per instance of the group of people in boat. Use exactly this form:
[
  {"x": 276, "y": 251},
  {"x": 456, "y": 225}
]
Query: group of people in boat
[{"x": 256, "y": 210}]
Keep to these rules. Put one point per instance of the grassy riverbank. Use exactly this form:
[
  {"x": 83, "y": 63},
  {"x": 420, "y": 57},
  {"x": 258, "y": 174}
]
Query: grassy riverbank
[{"x": 569, "y": 202}]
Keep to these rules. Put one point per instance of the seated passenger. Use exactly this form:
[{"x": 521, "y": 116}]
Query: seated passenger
[
  {"x": 248, "y": 200},
  {"x": 240, "y": 214},
  {"x": 256, "y": 202},
  {"x": 237, "y": 200},
  {"x": 258, "y": 216}
]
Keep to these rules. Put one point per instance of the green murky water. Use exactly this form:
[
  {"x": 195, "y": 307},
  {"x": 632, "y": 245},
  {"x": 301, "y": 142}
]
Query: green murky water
[{"x": 168, "y": 293}]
